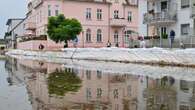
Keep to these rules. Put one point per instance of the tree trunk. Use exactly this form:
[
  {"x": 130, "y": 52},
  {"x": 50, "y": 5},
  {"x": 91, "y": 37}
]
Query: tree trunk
[{"x": 66, "y": 44}]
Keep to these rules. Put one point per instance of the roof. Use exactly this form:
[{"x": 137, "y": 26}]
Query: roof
[{"x": 10, "y": 20}]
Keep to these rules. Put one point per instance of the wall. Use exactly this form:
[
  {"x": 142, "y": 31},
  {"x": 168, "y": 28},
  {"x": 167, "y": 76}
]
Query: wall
[
  {"x": 78, "y": 11},
  {"x": 34, "y": 45}
]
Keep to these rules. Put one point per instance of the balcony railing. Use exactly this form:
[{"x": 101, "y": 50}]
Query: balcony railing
[
  {"x": 118, "y": 22},
  {"x": 160, "y": 18},
  {"x": 30, "y": 26}
]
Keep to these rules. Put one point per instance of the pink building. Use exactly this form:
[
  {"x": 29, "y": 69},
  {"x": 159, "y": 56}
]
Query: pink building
[
  {"x": 103, "y": 21},
  {"x": 106, "y": 91}
]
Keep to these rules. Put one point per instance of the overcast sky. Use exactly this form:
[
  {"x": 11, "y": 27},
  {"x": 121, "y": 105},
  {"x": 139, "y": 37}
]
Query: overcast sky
[{"x": 11, "y": 9}]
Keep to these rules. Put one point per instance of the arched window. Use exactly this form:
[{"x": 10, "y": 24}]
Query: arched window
[
  {"x": 99, "y": 35},
  {"x": 116, "y": 39},
  {"x": 88, "y": 35}
]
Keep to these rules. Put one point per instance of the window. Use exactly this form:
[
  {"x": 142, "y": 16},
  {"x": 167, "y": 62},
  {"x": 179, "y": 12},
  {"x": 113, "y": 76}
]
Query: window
[
  {"x": 99, "y": 74},
  {"x": 88, "y": 93},
  {"x": 88, "y": 13},
  {"x": 184, "y": 86},
  {"x": 185, "y": 3},
  {"x": 116, "y": 14},
  {"x": 49, "y": 10},
  {"x": 99, "y": 92},
  {"x": 99, "y": 35},
  {"x": 115, "y": 93},
  {"x": 88, "y": 35},
  {"x": 99, "y": 14},
  {"x": 185, "y": 29},
  {"x": 164, "y": 6},
  {"x": 129, "y": 18},
  {"x": 116, "y": 37},
  {"x": 88, "y": 74},
  {"x": 57, "y": 10},
  {"x": 129, "y": 90}
]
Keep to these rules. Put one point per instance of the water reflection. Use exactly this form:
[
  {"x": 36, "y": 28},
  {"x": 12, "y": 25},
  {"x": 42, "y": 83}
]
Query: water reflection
[
  {"x": 55, "y": 87},
  {"x": 61, "y": 82}
]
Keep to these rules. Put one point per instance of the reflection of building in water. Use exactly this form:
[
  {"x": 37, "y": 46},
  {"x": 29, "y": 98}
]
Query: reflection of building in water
[
  {"x": 169, "y": 94},
  {"x": 17, "y": 71},
  {"x": 15, "y": 75},
  {"x": 193, "y": 98},
  {"x": 102, "y": 91},
  {"x": 99, "y": 90},
  {"x": 161, "y": 95}
]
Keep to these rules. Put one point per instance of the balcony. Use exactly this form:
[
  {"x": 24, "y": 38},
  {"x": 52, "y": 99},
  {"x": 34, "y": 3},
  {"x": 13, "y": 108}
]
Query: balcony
[
  {"x": 160, "y": 18},
  {"x": 119, "y": 22},
  {"x": 30, "y": 26}
]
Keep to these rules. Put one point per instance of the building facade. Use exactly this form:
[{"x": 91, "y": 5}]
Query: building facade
[
  {"x": 100, "y": 89},
  {"x": 103, "y": 21},
  {"x": 15, "y": 28},
  {"x": 159, "y": 17}
]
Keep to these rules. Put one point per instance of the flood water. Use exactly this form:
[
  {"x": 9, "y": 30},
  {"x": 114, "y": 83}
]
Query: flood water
[{"x": 39, "y": 85}]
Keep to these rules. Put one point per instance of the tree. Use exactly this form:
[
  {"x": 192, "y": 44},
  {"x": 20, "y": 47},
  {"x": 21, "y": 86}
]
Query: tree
[
  {"x": 61, "y": 29},
  {"x": 61, "y": 82}
]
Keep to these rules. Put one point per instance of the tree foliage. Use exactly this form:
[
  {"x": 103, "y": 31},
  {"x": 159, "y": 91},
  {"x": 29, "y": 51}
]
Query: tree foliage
[
  {"x": 62, "y": 82},
  {"x": 61, "y": 29}
]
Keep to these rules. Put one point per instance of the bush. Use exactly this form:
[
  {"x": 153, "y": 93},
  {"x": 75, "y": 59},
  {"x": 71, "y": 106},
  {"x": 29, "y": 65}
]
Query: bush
[{"x": 164, "y": 36}]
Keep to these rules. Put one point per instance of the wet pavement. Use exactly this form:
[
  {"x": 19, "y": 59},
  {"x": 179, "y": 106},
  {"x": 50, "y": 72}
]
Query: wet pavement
[{"x": 39, "y": 85}]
